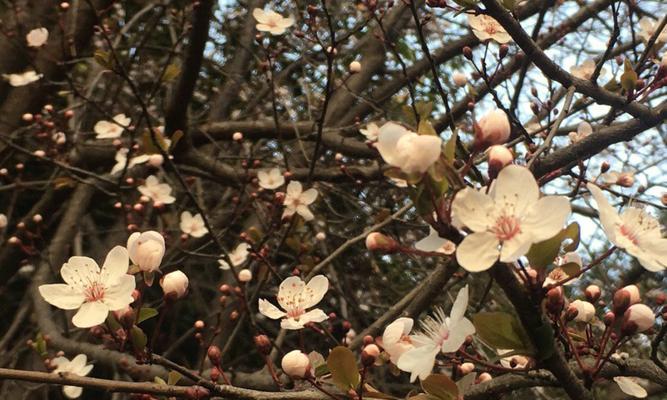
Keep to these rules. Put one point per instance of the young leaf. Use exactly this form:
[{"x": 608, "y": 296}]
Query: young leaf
[
  {"x": 441, "y": 387},
  {"x": 343, "y": 366},
  {"x": 450, "y": 146},
  {"x": 502, "y": 331},
  {"x": 173, "y": 377},
  {"x": 544, "y": 253},
  {"x": 139, "y": 339},
  {"x": 146, "y": 313}
]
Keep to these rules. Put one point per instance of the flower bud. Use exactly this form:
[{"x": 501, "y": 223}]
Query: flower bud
[
  {"x": 375, "y": 241},
  {"x": 355, "y": 67},
  {"x": 197, "y": 392},
  {"x": 214, "y": 354},
  {"x": 483, "y": 377},
  {"x": 245, "y": 275},
  {"x": 609, "y": 318},
  {"x": 155, "y": 160},
  {"x": 237, "y": 136},
  {"x": 321, "y": 236},
  {"x": 174, "y": 284},
  {"x": 585, "y": 310},
  {"x": 638, "y": 318},
  {"x": 625, "y": 297},
  {"x": 499, "y": 157},
  {"x": 370, "y": 354},
  {"x": 555, "y": 300},
  {"x": 466, "y": 368},
  {"x": 263, "y": 344},
  {"x": 296, "y": 364},
  {"x": 593, "y": 293},
  {"x": 493, "y": 128},
  {"x": 460, "y": 79},
  {"x": 146, "y": 250}
]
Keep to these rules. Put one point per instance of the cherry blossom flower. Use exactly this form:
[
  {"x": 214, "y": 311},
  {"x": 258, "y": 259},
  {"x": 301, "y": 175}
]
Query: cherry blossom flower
[
  {"x": 146, "y": 250},
  {"x": 624, "y": 179},
  {"x": 37, "y": 37},
  {"x": 438, "y": 334},
  {"x": 634, "y": 230},
  {"x": 647, "y": 29},
  {"x": 295, "y": 297},
  {"x": 92, "y": 291},
  {"x": 270, "y": 179},
  {"x": 407, "y": 150},
  {"x": 297, "y": 201},
  {"x": 272, "y": 22},
  {"x": 371, "y": 132},
  {"x": 583, "y": 130},
  {"x": 508, "y": 221},
  {"x": 558, "y": 274},
  {"x": 585, "y": 70},
  {"x": 238, "y": 256},
  {"x": 434, "y": 243},
  {"x": 485, "y": 28},
  {"x": 193, "y": 225},
  {"x": 156, "y": 191},
  {"x": 121, "y": 160},
  {"x": 111, "y": 129},
  {"x": 395, "y": 339},
  {"x": 22, "y": 79},
  {"x": 629, "y": 386},
  {"x": 77, "y": 366}
]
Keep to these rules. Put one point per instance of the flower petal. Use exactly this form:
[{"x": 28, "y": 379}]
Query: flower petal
[
  {"x": 62, "y": 296},
  {"x": 72, "y": 392},
  {"x": 546, "y": 218},
  {"x": 516, "y": 247},
  {"x": 460, "y": 305},
  {"x": 478, "y": 251},
  {"x": 308, "y": 196},
  {"x": 90, "y": 314},
  {"x": 289, "y": 292},
  {"x": 305, "y": 212},
  {"x": 78, "y": 271},
  {"x": 294, "y": 189},
  {"x": 394, "y": 331},
  {"x": 432, "y": 242},
  {"x": 390, "y": 134},
  {"x": 115, "y": 265},
  {"x": 472, "y": 209},
  {"x": 260, "y": 16},
  {"x": 418, "y": 361},
  {"x": 458, "y": 333},
  {"x": 609, "y": 218},
  {"x": 119, "y": 295},
  {"x": 630, "y": 387},
  {"x": 314, "y": 315},
  {"x": 269, "y": 310},
  {"x": 314, "y": 291},
  {"x": 515, "y": 189}
]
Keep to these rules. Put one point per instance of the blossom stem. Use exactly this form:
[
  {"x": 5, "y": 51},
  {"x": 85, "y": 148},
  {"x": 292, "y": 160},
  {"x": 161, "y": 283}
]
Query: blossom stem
[{"x": 563, "y": 327}]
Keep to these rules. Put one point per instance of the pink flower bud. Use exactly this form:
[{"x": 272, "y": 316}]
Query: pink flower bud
[
  {"x": 493, "y": 128},
  {"x": 355, "y": 67},
  {"x": 585, "y": 310},
  {"x": 237, "y": 136},
  {"x": 155, "y": 160},
  {"x": 593, "y": 293},
  {"x": 555, "y": 300},
  {"x": 638, "y": 318},
  {"x": 483, "y": 377},
  {"x": 174, "y": 284},
  {"x": 466, "y": 368},
  {"x": 296, "y": 364},
  {"x": 375, "y": 241},
  {"x": 460, "y": 79},
  {"x": 27, "y": 117},
  {"x": 39, "y": 153},
  {"x": 499, "y": 157},
  {"x": 625, "y": 297},
  {"x": 321, "y": 236},
  {"x": 370, "y": 354},
  {"x": 245, "y": 275}
]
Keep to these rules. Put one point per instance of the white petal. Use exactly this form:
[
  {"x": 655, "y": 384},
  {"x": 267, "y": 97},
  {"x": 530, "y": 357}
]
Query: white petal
[
  {"x": 418, "y": 152},
  {"x": 608, "y": 216},
  {"x": 418, "y": 361},
  {"x": 460, "y": 304},
  {"x": 458, "y": 333},
  {"x": 516, "y": 247},
  {"x": 289, "y": 292},
  {"x": 78, "y": 363},
  {"x": 115, "y": 265},
  {"x": 472, "y": 209},
  {"x": 314, "y": 291},
  {"x": 314, "y": 315},
  {"x": 308, "y": 196},
  {"x": 389, "y": 135},
  {"x": 305, "y": 212},
  {"x": 260, "y": 15},
  {"x": 394, "y": 331},
  {"x": 90, "y": 314},
  {"x": 294, "y": 189},
  {"x": 432, "y": 242},
  {"x": 78, "y": 271},
  {"x": 62, "y": 296},
  {"x": 119, "y": 295},
  {"x": 269, "y": 310},
  {"x": 630, "y": 387},
  {"x": 515, "y": 189},
  {"x": 478, "y": 251},
  {"x": 72, "y": 392},
  {"x": 291, "y": 324},
  {"x": 546, "y": 218}
]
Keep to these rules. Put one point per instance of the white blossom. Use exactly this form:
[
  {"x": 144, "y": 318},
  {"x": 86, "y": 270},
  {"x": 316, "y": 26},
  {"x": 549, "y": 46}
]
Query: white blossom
[
  {"x": 121, "y": 160},
  {"x": 434, "y": 243},
  {"x": 270, "y": 178},
  {"x": 438, "y": 334},
  {"x": 37, "y": 37},
  {"x": 396, "y": 340},
  {"x": 485, "y": 28},
  {"x": 634, "y": 230},
  {"x": 583, "y": 130},
  {"x": 77, "y": 366},
  {"x": 92, "y": 291},
  {"x": 193, "y": 225},
  {"x": 507, "y": 221},
  {"x": 404, "y": 149},
  {"x": 22, "y": 79},
  {"x": 295, "y": 297},
  {"x": 156, "y": 191},
  {"x": 585, "y": 70},
  {"x": 111, "y": 129},
  {"x": 297, "y": 201},
  {"x": 272, "y": 22},
  {"x": 175, "y": 284},
  {"x": 629, "y": 386},
  {"x": 146, "y": 250},
  {"x": 238, "y": 256},
  {"x": 371, "y": 132}
]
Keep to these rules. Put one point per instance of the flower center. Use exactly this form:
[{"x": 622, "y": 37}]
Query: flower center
[
  {"x": 507, "y": 226},
  {"x": 295, "y": 313},
  {"x": 629, "y": 233},
  {"x": 94, "y": 292}
]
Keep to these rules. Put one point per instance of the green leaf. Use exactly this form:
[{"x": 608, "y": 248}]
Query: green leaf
[
  {"x": 173, "y": 377},
  {"x": 440, "y": 387},
  {"x": 40, "y": 345},
  {"x": 465, "y": 383},
  {"x": 509, "y": 4},
  {"x": 146, "y": 313},
  {"x": 409, "y": 114},
  {"x": 139, "y": 339},
  {"x": 103, "y": 58},
  {"x": 570, "y": 268},
  {"x": 175, "y": 138},
  {"x": 426, "y": 128},
  {"x": 450, "y": 146},
  {"x": 171, "y": 72},
  {"x": 424, "y": 109},
  {"x": 544, "y": 253},
  {"x": 629, "y": 77},
  {"x": 148, "y": 144},
  {"x": 502, "y": 331},
  {"x": 159, "y": 381},
  {"x": 343, "y": 367}
]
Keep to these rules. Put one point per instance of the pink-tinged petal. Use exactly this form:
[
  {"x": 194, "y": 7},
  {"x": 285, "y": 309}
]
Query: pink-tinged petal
[
  {"x": 458, "y": 333},
  {"x": 78, "y": 271},
  {"x": 294, "y": 189},
  {"x": 546, "y": 218},
  {"x": 478, "y": 252},
  {"x": 516, "y": 247},
  {"x": 90, "y": 314},
  {"x": 502, "y": 37},
  {"x": 314, "y": 291},
  {"x": 418, "y": 361},
  {"x": 62, "y": 296},
  {"x": 291, "y": 324},
  {"x": 460, "y": 305},
  {"x": 119, "y": 295},
  {"x": 269, "y": 310},
  {"x": 308, "y": 196},
  {"x": 263, "y": 27},
  {"x": 314, "y": 315},
  {"x": 394, "y": 331},
  {"x": 515, "y": 189},
  {"x": 260, "y": 16},
  {"x": 472, "y": 209},
  {"x": 418, "y": 152},
  {"x": 115, "y": 265},
  {"x": 609, "y": 218},
  {"x": 390, "y": 134},
  {"x": 289, "y": 292},
  {"x": 305, "y": 212},
  {"x": 630, "y": 387}
]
